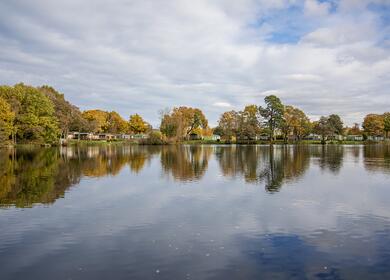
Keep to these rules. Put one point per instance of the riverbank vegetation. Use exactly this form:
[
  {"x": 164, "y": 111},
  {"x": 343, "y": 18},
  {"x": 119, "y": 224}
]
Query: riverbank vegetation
[{"x": 42, "y": 115}]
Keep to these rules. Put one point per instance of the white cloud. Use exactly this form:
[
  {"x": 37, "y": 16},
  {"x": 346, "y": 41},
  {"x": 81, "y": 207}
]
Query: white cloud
[
  {"x": 304, "y": 77},
  {"x": 222, "y": 104},
  {"x": 143, "y": 56},
  {"x": 313, "y": 8}
]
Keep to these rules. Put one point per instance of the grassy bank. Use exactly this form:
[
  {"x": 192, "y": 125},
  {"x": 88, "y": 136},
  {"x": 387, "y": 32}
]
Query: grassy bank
[
  {"x": 99, "y": 142},
  {"x": 193, "y": 142},
  {"x": 281, "y": 142}
]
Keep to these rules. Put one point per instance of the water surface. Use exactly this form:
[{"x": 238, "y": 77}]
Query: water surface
[{"x": 195, "y": 212}]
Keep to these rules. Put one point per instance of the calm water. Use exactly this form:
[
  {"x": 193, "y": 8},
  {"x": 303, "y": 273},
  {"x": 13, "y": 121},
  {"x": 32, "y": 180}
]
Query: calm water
[{"x": 195, "y": 212}]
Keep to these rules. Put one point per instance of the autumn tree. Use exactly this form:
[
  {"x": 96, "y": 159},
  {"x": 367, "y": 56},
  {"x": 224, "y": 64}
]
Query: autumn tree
[
  {"x": 354, "y": 130},
  {"x": 13, "y": 96},
  {"x": 6, "y": 121},
  {"x": 373, "y": 125},
  {"x": 272, "y": 114},
  {"x": 116, "y": 124},
  {"x": 69, "y": 116},
  {"x": 189, "y": 119},
  {"x": 249, "y": 123},
  {"x": 228, "y": 125},
  {"x": 295, "y": 122},
  {"x": 97, "y": 120},
  {"x": 323, "y": 128},
  {"x": 386, "y": 123},
  {"x": 137, "y": 124},
  {"x": 182, "y": 121}
]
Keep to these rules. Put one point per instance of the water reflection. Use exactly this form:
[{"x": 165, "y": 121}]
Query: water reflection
[
  {"x": 185, "y": 163},
  {"x": 29, "y": 175},
  {"x": 329, "y": 158},
  {"x": 377, "y": 158},
  {"x": 128, "y": 215},
  {"x": 271, "y": 165},
  {"x": 32, "y": 175}
]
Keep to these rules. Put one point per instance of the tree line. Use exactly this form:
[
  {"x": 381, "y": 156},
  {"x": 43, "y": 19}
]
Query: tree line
[
  {"x": 41, "y": 115},
  {"x": 290, "y": 123}
]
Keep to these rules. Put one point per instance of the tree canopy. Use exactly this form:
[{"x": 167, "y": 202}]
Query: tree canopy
[
  {"x": 182, "y": 121},
  {"x": 323, "y": 128},
  {"x": 116, "y": 124},
  {"x": 6, "y": 120},
  {"x": 228, "y": 125},
  {"x": 69, "y": 116},
  {"x": 295, "y": 123},
  {"x": 35, "y": 119},
  {"x": 373, "y": 124},
  {"x": 137, "y": 124},
  {"x": 272, "y": 114}
]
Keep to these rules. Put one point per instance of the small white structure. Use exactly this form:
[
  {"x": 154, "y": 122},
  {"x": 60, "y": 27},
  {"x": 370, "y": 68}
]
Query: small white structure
[
  {"x": 123, "y": 136},
  {"x": 139, "y": 136},
  {"x": 375, "y": 138},
  {"x": 313, "y": 136},
  {"x": 106, "y": 136},
  {"x": 81, "y": 136},
  {"x": 355, "y": 137},
  {"x": 337, "y": 137},
  {"x": 262, "y": 137},
  {"x": 213, "y": 137}
]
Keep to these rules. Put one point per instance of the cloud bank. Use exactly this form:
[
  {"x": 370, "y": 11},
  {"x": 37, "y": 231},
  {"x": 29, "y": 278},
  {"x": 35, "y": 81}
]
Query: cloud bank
[{"x": 143, "y": 56}]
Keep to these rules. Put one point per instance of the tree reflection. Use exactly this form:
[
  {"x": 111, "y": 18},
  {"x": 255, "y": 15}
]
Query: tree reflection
[
  {"x": 34, "y": 176},
  {"x": 271, "y": 165},
  {"x": 185, "y": 163},
  {"x": 377, "y": 158},
  {"x": 329, "y": 157},
  {"x": 30, "y": 175}
]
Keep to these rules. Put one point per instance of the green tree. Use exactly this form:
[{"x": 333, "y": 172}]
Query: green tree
[
  {"x": 168, "y": 126},
  {"x": 249, "y": 124},
  {"x": 34, "y": 114},
  {"x": 336, "y": 124},
  {"x": 323, "y": 128},
  {"x": 272, "y": 114},
  {"x": 6, "y": 121},
  {"x": 137, "y": 124}
]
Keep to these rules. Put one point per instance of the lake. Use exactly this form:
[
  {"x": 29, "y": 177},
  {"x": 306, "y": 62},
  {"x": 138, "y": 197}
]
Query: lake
[{"x": 195, "y": 212}]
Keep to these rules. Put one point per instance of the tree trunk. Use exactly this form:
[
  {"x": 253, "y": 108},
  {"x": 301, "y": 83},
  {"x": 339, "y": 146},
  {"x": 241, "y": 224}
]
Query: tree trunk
[{"x": 271, "y": 137}]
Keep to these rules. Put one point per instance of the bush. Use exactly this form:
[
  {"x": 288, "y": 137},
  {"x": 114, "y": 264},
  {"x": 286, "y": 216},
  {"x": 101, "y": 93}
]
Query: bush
[{"x": 155, "y": 138}]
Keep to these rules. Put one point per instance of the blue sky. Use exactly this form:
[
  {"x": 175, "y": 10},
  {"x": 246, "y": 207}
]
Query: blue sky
[{"x": 144, "y": 56}]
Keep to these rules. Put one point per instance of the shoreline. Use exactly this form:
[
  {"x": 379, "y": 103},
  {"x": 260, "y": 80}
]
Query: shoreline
[{"x": 199, "y": 142}]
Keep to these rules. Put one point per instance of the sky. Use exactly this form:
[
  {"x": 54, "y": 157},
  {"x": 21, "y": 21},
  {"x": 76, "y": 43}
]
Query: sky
[{"x": 144, "y": 56}]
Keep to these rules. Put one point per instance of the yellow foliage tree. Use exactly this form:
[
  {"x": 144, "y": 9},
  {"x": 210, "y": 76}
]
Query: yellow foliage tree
[
  {"x": 6, "y": 121},
  {"x": 137, "y": 124}
]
